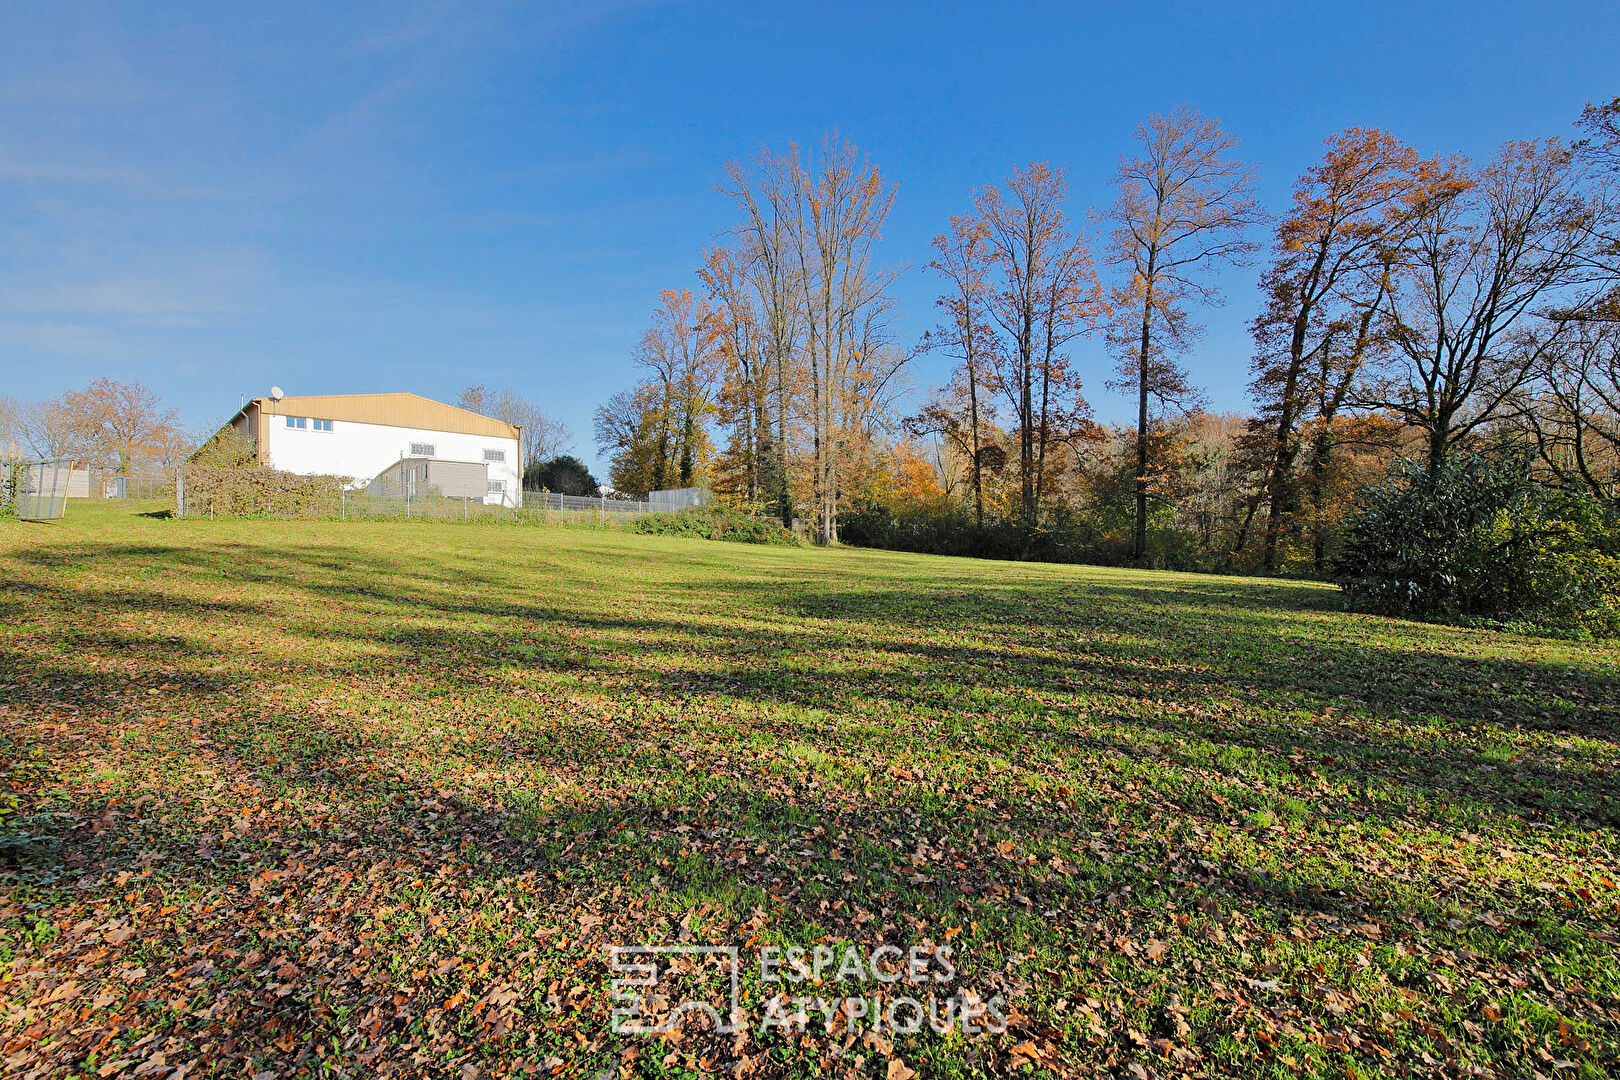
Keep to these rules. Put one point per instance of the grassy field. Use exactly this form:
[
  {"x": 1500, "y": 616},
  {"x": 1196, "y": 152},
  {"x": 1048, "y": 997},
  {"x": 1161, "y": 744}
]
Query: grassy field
[{"x": 373, "y": 798}]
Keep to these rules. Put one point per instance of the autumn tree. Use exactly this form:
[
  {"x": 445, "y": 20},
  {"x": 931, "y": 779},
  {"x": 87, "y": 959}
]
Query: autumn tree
[
  {"x": 632, "y": 430},
  {"x": 911, "y": 477},
  {"x": 1352, "y": 215},
  {"x": 1183, "y": 207},
  {"x": 759, "y": 292},
  {"x": 117, "y": 426},
  {"x": 747, "y": 467},
  {"x": 657, "y": 433},
  {"x": 1464, "y": 322},
  {"x": 1044, "y": 294},
  {"x": 840, "y": 204},
  {"x": 962, "y": 260}
]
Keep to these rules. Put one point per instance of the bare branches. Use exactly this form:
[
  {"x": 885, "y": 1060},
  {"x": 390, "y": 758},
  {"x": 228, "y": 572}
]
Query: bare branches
[
  {"x": 1482, "y": 263},
  {"x": 1046, "y": 294},
  {"x": 1183, "y": 205}
]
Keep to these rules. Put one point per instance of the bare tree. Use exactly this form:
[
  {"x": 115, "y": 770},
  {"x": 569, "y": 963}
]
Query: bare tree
[
  {"x": 1045, "y": 295},
  {"x": 1464, "y": 323},
  {"x": 1600, "y": 153},
  {"x": 13, "y": 429},
  {"x": 543, "y": 436},
  {"x": 1574, "y": 412},
  {"x": 1183, "y": 207}
]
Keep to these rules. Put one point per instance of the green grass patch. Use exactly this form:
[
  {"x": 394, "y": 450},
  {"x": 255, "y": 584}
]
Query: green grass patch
[{"x": 337, "y": 798}]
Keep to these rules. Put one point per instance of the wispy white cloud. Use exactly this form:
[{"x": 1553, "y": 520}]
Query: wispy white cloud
[
  {"x": 66, "y": 339},
  {"x": 185, "y": 290}
]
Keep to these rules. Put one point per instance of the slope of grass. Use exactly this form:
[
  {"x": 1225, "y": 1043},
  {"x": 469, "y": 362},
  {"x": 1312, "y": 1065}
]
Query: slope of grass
[{"x": 373, "y": 798}]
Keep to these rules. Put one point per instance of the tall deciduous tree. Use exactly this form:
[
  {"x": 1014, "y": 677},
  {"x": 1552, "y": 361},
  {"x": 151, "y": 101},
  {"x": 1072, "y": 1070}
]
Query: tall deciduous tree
[
  {"x": 1183, "y": 206},
  {"x": 768, "y": 268},
  {"x": 1352, "y": 216},
  {"x": 962, "y": 259},
  {"x": 679, "y": 349},
  {"x": 1464, "y": 323},
  {"x": 1600, "y": 151},
  {"x": 840, "y": 205},
  {"x": 657, "y": 432},
  {"x": 747, "y": 465},
  {"x": 1045, "y": 295}
]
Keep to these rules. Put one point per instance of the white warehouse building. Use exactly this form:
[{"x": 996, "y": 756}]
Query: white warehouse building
[{"x": 361, "y": 436}]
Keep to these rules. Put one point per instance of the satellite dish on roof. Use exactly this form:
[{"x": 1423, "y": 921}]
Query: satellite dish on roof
[{"x": 276, "y": 393}]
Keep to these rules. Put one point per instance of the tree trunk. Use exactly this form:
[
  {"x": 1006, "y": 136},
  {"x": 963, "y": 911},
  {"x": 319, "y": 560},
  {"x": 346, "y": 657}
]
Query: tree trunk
[
  {"x": 973, "y": 421},
  {"x": 1139, "y": 543},
  {"x": 1439, "y": 443}
]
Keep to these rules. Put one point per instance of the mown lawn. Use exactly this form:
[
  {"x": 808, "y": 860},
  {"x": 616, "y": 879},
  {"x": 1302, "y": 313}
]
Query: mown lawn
[{"x": 370, "y": 799}]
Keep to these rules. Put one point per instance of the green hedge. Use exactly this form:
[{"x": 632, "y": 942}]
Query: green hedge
[{"x": 714, "y": 523}]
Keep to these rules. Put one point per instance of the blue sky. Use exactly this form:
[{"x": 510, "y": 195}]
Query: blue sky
[{"x": 413, "y": 196}]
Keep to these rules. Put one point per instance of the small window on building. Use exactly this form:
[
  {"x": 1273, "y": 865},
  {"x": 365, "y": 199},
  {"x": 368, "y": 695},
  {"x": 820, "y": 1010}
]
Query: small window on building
[
  {"x": 423, "y": 449},
  {"x": 497, "y": 487},
  {"x": 494, "y": 455},
  {"x": 295, "y": 421},
  {"x": 322, "y": 425}
]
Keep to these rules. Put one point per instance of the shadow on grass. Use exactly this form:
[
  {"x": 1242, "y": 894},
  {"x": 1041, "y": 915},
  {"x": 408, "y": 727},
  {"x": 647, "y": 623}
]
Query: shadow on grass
[
  {"x": 846, "y": 756},
  {"x": 1297, "y": 688}
]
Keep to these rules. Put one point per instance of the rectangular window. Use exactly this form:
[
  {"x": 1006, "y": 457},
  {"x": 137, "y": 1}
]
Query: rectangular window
[
  {"x": 323, "y": 425},
  {"x": 422, "y": 449},
  {"x": 494, "y": 455},
  {"x": 497, "y": 487},
  {"x": 295, "y": 421}
]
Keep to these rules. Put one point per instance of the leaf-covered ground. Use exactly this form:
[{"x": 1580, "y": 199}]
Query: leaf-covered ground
[{"x": 373, "y": 799}]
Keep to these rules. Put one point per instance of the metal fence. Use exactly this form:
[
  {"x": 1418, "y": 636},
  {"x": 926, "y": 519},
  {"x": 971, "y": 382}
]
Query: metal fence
[
  {"x": 598, "y": 504},
  {"x": 336, "y": 501},
  {"x": 44, "y": 492},
  {"x": 112, "y": 486},
  {"x": 665, "y": 502}
]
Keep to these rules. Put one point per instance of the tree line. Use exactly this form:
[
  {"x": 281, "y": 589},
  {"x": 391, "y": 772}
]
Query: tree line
[{"x": 1414, "y": 306}]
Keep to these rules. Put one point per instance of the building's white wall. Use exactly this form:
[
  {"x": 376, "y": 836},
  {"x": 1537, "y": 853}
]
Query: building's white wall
[{"x": 362, "y": 451}]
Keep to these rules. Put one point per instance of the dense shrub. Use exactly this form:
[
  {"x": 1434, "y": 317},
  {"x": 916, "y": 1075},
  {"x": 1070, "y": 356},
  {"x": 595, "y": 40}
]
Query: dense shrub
[
  {"x": 1482, "y": 539},
  {"x": 258, "y": 491},
  {"x": 714, "y": 523}
]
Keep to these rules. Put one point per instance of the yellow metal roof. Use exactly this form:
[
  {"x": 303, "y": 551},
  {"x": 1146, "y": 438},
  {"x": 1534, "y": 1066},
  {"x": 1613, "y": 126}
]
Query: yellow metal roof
[{"x": 395, "y": 410}]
